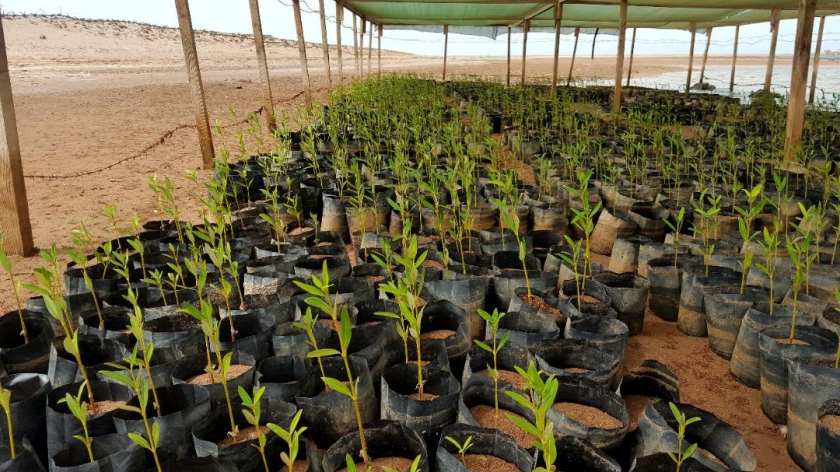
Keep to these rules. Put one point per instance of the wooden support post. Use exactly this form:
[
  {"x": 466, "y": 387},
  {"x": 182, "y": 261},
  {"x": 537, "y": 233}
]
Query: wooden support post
[
  {"x": 362, "y": 32},
  {"x": 325, "y": 44},
  {"x": 339, "y": 16},
  {"x": 202, "y": 124},
  {"x": 525, "y": 28},
  {"x": 734, "y": 59},
  {"x": 355, "y": 46},
  {"x": 558, "y": 19},
  {"x": 508, "y": 59},
  {"x": 14, "y": 207},
  {"x": 304, "y": 65},
  {"x": 619, "y": 57},
  {"x": 771, "y": 58},
  {"x": 693, "y": 27},
  {"x": 370, "y": 48},
  {"x": 445, "y": 48},
  {"x": 816, "y": 68},
  {"x": 799, "y": 78},
  {"x": 379, "y": 53},
  {"x": 268, "y": 101},
  {"x": 574, "y": 53},
  {"x": 706, "y": 55},
  {"x": 632, "y": 52},
  {"x": 594, "y": 39}
]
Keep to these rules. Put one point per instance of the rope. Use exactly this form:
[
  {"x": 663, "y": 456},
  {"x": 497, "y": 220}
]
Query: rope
[{"x": 160, "y": 142}]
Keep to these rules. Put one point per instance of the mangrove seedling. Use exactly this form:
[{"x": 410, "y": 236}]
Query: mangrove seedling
[
  {"x": 682, "y": 422},
  {"x": 210, "y": 327},
  {"x": 769, "y": 245},
  {"x": 307, "y": 323},
  {"x": 584, "y": 217},
  {"x": 676, "y": 228},
  {"x": 707, "y": 224},
  {"x": 539, "y": 400},
  {"x": 251, "y": 412},
  {"x": 320, "y": 299},
  {"x": 138, "y": 383},
  {"x": 78, "y": 254},
  {"x": 511, "y": 220},
  {"x": 16, "y": 286},
  {"x": 573, "y": 259},
  {"x": 406, "y": 291},
  {"x": 292, "y": 438},
  {"x": 798, "y": 251},
  {"x": 144, "y": 361},
  {"x": 6, "y": 404},
  {"x": 462, "y": 448},
  {"x": 493, "y": 322},
  {"x": 79, "y": 409}
]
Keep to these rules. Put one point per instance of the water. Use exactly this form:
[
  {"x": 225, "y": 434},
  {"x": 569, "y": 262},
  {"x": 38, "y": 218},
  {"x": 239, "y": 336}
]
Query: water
[{"x": 747, "y": 79}]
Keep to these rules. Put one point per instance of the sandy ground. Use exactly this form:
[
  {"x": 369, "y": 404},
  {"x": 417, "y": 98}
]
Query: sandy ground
[{"x": 89, "y": 94}]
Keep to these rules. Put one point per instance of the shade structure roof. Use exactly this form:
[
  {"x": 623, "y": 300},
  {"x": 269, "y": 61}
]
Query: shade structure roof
[{"x": 475, "y": 16}]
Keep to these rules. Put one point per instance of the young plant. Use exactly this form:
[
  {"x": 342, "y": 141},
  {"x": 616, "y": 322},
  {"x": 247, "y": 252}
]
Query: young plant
[
  {"x": 540, "y": 399},
  {"x": 511, "y": 220},
  {"x": 406, "y": 291},
  {"x": 16, "y": 286},
  {"x": 769, "y": 245},
  {"x": 211, "y": 327},
  {"x": 79, "y": 409},
  {"x": 78, "y": 254},
  {"x": 707, "y": 224},
  {"x": 292, "y": 438},
  {"x": 144, "y": 361},
  {"x": 307, "y": 323},
  {"x": 320, "y": 299},
  {"x": 682, "y": 422},
  {"x": 573, "y": 259},
  {"x": 462, "y": 448},
  {"x": 351, "y": 466},
  {"x": 746, "y": 218},
  {"x": 584, "y": 217},
  {"x": 6, "y": 404},
  {"x": 137, "y": 382},
  {"x": 251, "y": 412},
  {"x": 798, "y": 251},
  {"x": 493, "y": 322},
  {"x": 676, "y": 228}
]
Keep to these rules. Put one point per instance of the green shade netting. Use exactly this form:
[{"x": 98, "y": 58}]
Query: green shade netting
[{"x": 664, "y": 14}]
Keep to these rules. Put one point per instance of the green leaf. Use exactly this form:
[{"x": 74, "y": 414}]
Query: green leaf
[
  {"x": 139, "y": 440},
  {"x": 339, "y": 387},
  {"x": 524, "y": 425},
  {"x": 690, "y": 450},
  {"x": 483, "y": 346},
  {"x": 322, "y": 353}
]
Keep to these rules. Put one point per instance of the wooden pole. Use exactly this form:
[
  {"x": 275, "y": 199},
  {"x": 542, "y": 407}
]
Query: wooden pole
[
  {"x": 706, "y": 55},
  {"x": 632, "y": 51},
  {"x": 304, "y": 65},
  {"x": 202, "y": 124},
  {"x": 325, "y": 44},
  {"x": 594, "y": 39},
  {"x": 445, "y": 48},
  {"x": 816, "y": 67},
  {"x": 558, "y": 19},
  {"x": 619, "y": 59},
  {"x": 771, "y": 58},
  {"x": 362, "y": 48},
  {"x": 14, "y": 206},
  {"x": 268, "y": 101},
  {"x": 525, "y": 29},
  {"x": 508, "y": 59},
  {"x": 355, "y": 46},
  {"x": 799, "y": 78},
  {"x": 734, "y": 59},
  {"x": 370, "y": 48},
  {"x": 339, "y": 17},
  {"x": 574, "y": 53},
  {"x": 693, "y": 27},
  {"x": 379, "y": 53}
]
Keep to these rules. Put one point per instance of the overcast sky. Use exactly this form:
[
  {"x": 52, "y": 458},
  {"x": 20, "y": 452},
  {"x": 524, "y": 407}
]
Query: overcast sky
[{"x": 278, "y": 20}]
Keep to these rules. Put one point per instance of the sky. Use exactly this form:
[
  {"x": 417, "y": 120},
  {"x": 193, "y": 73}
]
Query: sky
[{"x": 233, "y": 16}]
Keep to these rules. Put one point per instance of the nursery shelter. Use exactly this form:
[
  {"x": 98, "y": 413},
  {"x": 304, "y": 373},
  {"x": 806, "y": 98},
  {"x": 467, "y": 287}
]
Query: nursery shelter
[{"x": 479, "y": 17}]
